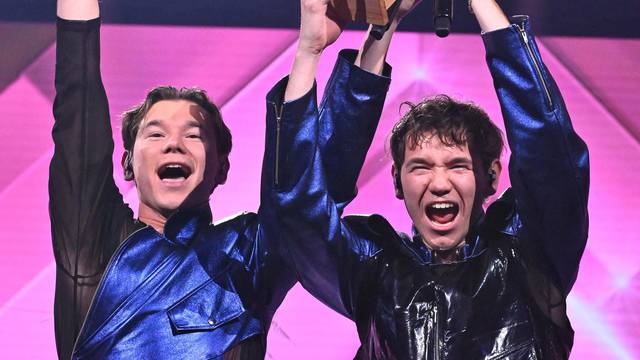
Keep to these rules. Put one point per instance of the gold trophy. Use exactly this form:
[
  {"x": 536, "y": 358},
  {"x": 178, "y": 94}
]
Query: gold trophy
[
  {"x": 380, "y": 12},
  {"x": 375, "y": 12}
]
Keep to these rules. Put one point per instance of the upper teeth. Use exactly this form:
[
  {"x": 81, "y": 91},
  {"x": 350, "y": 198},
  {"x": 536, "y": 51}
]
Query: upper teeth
[
  {"x": 442, "y": 205},
  {"x": 174, "y": 166}
]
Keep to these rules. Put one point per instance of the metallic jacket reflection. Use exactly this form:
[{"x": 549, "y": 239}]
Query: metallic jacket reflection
[
  {"x": 504, "y": 298},
  {"x": 198, "y": 290}
]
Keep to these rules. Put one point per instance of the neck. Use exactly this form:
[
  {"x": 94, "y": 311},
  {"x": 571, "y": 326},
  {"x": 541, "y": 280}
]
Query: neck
[
  {"x": 152, "y": 217},
  {"x": 157, "y": 218},
  {"x": 448, "y": 256}
]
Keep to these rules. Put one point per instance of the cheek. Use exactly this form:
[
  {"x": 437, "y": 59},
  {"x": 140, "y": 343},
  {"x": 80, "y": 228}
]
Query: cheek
[
  {"x": 467, "y": 188},
  {"x": 137, "y": 160},
  {"x": 202, "y": 159},
  {"x": 142, "y": 162},
  {"x": 198, "y": 150},
  {"x": 413, "y": 186}
]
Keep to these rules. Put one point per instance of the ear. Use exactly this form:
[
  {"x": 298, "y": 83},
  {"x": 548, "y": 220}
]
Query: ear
[
  {"x": 127, "y": 165},
  {"x": 397, "y": 182},
  {"x": 494, "y": 177},
  {"x": 223, "y": 170}
]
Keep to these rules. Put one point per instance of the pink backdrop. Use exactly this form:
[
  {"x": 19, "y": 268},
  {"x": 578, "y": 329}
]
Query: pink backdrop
[{"x": 598, "y": 77}]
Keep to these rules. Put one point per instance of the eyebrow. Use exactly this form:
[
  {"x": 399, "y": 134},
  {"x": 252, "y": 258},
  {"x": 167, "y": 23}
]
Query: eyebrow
[
  {"x": 151, "y": 123},
  {"x": 419, "y": 160},
  {"x": 460, "y": 160},
  {"x": 192, "y": 123},
  {"x": 455, "y": 160}
]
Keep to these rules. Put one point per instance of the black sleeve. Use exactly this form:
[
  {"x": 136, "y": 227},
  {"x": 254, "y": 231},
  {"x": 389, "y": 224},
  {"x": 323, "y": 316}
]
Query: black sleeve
[{"x": 88, "y": 216}]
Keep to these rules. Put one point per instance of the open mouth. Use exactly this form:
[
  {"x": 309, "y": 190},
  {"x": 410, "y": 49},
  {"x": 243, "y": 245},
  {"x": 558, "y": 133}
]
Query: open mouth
[
  {"x": 174, "y": 172},
  {"x": 442, "y": 212}
]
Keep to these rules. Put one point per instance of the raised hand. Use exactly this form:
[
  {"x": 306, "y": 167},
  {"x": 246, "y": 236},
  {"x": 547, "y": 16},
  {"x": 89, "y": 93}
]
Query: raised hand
[
  {"x": 404, "y": 8},
  {"x": 320, "y": 26},
  {"x": 373, "y": 52}
]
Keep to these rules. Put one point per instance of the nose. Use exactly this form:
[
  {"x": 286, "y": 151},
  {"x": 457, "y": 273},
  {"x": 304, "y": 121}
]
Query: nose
[
  {"x": 174, "y": 144},
  {"x": 440, "y": 183}
]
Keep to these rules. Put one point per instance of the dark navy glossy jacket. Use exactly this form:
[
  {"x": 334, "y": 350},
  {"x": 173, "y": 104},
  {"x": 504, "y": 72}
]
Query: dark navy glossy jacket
[
  {"x": 504, "y": 297},
  {"x": 197, "y": 291}
]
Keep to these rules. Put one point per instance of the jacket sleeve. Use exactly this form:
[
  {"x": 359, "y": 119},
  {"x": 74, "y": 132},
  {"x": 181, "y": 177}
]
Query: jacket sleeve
[
  {"x": 549, "y": 165},
  {"x": 349, "y": 114},
  {"x": 88, "y": 216},
  {"x": 329, "y": 257}
]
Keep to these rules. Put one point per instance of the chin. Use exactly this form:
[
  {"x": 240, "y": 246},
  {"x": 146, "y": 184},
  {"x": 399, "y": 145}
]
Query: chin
[
  {"x": 169, "y": 205},
  {"x": 173, "y": 205},
  {"x": 442, "y": 245},
  {"x": 442, "y": 242}
]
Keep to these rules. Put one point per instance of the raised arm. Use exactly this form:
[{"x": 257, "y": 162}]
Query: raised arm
[
  {"x": 549, "y": 166},
  {"x": 88, "y": 217},
  {"x": 351, "y": 108},
  {"x": 353, "y": 99},
  {"x": 326, "y": 256},
  {"x": 319, "y": 156}
]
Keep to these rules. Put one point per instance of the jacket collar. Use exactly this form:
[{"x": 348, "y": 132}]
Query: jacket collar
[
  {"x": 416, "y": 249},
  {"x": 473, "y": 245},
  {"x": 183, "y": 225}
]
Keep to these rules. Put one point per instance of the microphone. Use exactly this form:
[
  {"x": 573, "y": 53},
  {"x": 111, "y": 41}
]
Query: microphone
[
  {"x": 442, "y": 17},
  {"x": 377, "y": 31}
]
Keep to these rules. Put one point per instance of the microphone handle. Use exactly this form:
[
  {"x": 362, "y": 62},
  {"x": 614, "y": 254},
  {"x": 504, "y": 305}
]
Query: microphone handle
[{"x": 442, "y": 17}]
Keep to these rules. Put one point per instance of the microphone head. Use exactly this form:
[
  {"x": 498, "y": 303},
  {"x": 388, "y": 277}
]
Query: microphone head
[{"x": 442, "y": 25}]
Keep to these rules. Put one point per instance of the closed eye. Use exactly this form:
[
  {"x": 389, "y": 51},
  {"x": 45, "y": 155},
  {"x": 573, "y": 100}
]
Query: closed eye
[{"x": 419, "y": 168}]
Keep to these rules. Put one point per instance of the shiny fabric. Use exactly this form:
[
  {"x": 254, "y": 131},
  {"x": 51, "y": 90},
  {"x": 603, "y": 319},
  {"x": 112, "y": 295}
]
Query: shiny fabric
[
  {"x": 198, "y": 290},
  {"x": 180, "y": 296},
  {"x": 504, "y": 297}
]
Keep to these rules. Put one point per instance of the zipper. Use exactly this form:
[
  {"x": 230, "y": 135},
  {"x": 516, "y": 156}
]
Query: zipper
[
  {"x": 436, "y": 339},
  {"x": 527, "y": 45},
  {"x": 278, "y": 111}
]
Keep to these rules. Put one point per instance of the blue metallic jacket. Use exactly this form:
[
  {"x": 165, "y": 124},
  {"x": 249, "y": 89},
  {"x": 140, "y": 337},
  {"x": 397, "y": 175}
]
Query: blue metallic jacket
[
  {"x": 198, "y": 290},
  {"x": 504, "y": 297}
]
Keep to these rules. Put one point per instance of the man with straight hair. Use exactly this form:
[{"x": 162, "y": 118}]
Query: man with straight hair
[{"x": 169, "y": 284}]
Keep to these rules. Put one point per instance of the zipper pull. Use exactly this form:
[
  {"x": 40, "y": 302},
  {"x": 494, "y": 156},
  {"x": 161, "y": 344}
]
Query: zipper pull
[
  {"x": 278, "y": 110},
  {"x": 523, "y": 33}
]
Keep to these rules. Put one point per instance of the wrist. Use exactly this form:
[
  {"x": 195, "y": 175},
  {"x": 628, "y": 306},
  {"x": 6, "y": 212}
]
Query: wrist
[
  {"x": 308, "y": 50},
  {"x": 308, "y": 55},
  {"x": 475, "y": 5},
  {"x": 393, "y": 26}
]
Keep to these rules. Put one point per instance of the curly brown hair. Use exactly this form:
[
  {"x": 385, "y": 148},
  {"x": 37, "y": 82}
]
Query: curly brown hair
[{"x": 454, "y": 122}]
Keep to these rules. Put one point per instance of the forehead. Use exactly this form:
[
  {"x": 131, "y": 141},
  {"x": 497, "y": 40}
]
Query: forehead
[
  {"x": 429, "y": 147},
  {"x": 181, "y": 113}
]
